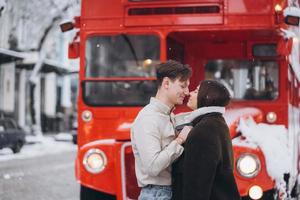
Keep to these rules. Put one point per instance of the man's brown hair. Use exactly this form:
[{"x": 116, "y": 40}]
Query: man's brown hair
[{"x": 173, "y": 70}]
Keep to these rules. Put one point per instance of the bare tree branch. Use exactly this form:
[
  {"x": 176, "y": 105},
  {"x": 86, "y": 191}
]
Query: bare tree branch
[{"x": 54, "y": 21}]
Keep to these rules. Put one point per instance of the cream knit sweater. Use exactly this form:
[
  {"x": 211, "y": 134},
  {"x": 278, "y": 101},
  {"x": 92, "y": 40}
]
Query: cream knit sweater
[{"x": 153, "y": 144}]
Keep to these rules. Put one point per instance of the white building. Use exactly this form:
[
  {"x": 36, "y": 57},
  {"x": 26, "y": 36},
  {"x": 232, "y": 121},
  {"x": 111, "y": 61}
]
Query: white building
[{"x": 33, "y": 63}]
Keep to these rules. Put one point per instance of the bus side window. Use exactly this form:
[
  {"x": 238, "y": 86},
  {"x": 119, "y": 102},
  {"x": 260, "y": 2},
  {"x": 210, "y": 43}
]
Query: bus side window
[
  {"x": 291, "y": 91},
  {"x": 295, "y": 89},
  {"x": 298, "y": 89}
]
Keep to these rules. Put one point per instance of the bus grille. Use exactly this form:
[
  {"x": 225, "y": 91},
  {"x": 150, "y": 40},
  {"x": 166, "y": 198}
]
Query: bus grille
[{"x": 174, "y": 10}]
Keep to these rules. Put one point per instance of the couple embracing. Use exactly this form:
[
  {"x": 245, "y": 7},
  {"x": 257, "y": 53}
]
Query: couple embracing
[{"x": 194, "y": 163}]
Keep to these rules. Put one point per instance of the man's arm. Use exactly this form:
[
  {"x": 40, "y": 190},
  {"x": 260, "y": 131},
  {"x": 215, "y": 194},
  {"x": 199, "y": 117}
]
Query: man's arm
[
  {"x": 148, "y": 143},
  {"x": 202, "y": 156}
]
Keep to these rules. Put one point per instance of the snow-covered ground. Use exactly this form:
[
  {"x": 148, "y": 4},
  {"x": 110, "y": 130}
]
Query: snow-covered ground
[{"x": 39, "y": 146}]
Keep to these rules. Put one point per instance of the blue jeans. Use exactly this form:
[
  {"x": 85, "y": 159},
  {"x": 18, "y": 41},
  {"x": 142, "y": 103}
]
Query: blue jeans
[{"x": 156, "y": 192}]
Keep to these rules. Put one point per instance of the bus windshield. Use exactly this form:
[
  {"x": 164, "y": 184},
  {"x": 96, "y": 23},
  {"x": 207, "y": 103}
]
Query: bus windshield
[
  {"x": 120, "y": 56},
  {"x": 246, "y": 79}
]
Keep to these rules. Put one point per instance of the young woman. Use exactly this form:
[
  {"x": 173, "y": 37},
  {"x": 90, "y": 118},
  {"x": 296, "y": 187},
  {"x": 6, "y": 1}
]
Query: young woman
[{"x": 205, "y": 170}]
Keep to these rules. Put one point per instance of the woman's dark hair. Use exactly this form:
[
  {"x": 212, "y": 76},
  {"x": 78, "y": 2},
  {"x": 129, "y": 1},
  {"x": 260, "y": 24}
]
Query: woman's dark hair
[
  {"x": 173, "y": 70},
  {"x": 212, "y": 93}
]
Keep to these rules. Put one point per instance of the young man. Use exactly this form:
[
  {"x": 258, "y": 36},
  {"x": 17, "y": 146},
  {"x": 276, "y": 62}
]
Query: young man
[{"x": 154, "y": 143}]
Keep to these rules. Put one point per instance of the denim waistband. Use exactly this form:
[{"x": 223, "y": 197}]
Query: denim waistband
[{"x": 158, "y": 186}]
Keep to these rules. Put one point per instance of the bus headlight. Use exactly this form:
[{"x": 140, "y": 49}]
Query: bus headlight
[
  {"x": 271, "y": 117},
  {"x": 255, "y": 192},
  {"x": 94, "y": 161},
  {"x": 248, "y": 165},
  {"x": 86, "y": 115}
]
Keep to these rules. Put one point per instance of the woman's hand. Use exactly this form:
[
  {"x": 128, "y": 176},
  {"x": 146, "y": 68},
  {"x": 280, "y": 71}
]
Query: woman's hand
[{"x": 181, "y": 138}]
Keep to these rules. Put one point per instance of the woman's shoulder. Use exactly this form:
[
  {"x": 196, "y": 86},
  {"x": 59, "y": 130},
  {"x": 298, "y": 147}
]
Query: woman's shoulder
[
  {"x": 208, "y": 120},
  {"x": 202, "y": 136},
  {"x": 202, "y": 130},
  {"x": 207, "y": 117},
  {"x": 207, "y": 128}
]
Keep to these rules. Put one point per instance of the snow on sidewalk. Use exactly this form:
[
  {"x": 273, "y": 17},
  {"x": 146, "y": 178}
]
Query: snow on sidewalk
[{"x": 42, "y": 146}]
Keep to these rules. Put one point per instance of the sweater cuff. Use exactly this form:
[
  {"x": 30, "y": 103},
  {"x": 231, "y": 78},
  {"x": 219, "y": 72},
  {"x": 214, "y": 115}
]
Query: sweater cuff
[{"x": 174, "y": 150}]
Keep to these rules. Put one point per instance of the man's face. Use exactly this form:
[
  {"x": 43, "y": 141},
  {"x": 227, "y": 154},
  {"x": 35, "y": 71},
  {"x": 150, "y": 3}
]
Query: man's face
[{"x": 177, "y": 91}]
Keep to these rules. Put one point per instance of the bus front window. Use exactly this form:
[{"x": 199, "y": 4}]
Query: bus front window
[
  {"x": 120, "y": 56},
  {"x": 245, "y": 79}
]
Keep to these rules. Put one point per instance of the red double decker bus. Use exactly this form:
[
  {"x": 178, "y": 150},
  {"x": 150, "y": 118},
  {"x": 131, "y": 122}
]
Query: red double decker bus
[{"x": 250, "y": 46}]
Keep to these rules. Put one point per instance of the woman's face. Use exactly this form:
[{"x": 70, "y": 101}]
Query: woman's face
[{"x": 192, "y": 103}]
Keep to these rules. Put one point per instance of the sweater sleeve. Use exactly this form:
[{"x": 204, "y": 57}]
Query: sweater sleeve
[
  {"x": 148, "y": 143},
  {"x": 202, "y": 156}
]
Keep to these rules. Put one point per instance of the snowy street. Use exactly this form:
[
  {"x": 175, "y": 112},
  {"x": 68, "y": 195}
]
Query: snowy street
[{"x": 43, "y": 171}]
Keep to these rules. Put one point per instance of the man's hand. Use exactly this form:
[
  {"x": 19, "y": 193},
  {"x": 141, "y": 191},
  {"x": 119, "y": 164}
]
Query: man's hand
[{"x": 181, "y": 138}]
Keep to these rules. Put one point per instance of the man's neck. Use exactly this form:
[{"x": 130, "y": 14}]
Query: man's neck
[{"x": 164, "y": 99}]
